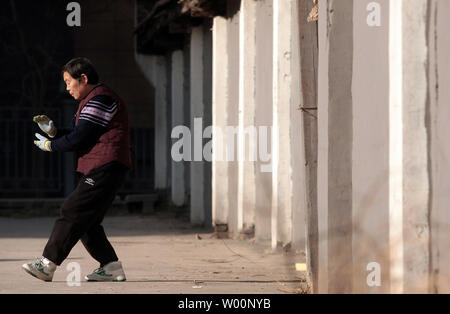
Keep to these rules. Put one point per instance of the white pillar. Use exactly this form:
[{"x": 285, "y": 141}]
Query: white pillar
[
  {"x": 370, "y": 185},
  {"x": 287, "y": 126},
  {"x": 396, "y": 148},
  {"x": 226, "y": 123},
  {"x": 334, "y": 192},
  {"x": 374, "y": 146},
  {"x": 322, "y": 158},
  {"x": 263, "y": 119},
  {"x": 247, "y": 137},
  {"x": 416, "y": 183},
  {"x": 220, "y": 186},
  {"x": 235, "y": 217},
  {"x": 439, "y": 73}
]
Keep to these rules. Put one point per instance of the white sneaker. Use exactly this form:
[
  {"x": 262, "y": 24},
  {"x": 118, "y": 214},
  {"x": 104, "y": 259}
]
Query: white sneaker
[
  {"x": 42, "y": 269},
  {"x": 110, "y": 272}
]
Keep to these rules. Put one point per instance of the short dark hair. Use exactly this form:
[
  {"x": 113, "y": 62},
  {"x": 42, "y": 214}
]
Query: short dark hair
[{"x": 78, "y": 66}]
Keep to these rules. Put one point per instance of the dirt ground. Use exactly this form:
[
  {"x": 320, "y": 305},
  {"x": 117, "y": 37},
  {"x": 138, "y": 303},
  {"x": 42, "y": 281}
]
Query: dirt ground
[{"x": 161, "y": 254}]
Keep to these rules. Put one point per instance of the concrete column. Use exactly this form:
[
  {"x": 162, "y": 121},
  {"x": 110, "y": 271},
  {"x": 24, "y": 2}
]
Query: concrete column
[
  {"x": 159, "y": 77},
  {"x": 263, "y": 119},
  {"x": 298, "y": 170},
  {"x": 178, "y": 190},
  {"x": 288, "y": 188},
  {"x": 197, "y": 126},
  {"x": 187, "y": 113},
  {"x": 235, "y": 218},
  {"x": 247, "y": 137},
  {"x": 309, "y": 67},
  {"x": 281, "y": 201},
  {"x": 220, "y": 194},
  {"x": 207, "y": 118},
  {"x": 374, "y": 109},
  {"x": 370, "y": 185},
  {"x": 322, "y": 149},
  {"x": 439, "y": 96},
  {"x": 226, "y": 121},
  {"x": 416, "y": 183},
  {"x": 200, "y": 197},
  {"x": 437, "y": 180},
  {"x": 168, "y": 68},
  {"x": 335, "y": 146}
]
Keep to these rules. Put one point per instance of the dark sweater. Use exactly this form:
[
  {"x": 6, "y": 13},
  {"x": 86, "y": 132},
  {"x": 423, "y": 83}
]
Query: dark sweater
[{"x": 92, "y": 124}]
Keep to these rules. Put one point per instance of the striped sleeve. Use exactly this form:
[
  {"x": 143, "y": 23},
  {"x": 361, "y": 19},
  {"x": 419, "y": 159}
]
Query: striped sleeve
[{"x": 99, "y": 110}]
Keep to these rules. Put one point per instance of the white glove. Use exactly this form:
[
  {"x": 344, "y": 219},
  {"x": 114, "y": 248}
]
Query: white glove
[
  {"x": 46, "y": 125},
  {"x": 43, "y": 143}
]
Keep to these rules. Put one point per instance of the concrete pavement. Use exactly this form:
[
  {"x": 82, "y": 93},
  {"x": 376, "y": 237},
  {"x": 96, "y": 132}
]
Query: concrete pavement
[{"x": 160, "y": 254}]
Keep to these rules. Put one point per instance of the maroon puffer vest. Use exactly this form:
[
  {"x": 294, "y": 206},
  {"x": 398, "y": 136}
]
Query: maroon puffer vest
[{"x": 114, "y": 144}]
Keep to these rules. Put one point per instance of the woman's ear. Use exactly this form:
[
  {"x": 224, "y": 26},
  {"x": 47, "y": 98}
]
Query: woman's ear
[{"x": 84, "y": 79}]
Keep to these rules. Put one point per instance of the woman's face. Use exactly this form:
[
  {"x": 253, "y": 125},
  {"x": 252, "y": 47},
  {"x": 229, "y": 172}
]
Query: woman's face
[{"x": 77, "y": 88}]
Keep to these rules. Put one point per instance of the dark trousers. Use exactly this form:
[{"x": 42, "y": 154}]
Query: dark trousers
[{"x": 81, "y": 216}]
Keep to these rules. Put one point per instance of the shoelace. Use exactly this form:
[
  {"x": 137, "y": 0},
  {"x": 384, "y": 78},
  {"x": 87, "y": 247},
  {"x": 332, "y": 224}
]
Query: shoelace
[{"x": 39, "y": 263}]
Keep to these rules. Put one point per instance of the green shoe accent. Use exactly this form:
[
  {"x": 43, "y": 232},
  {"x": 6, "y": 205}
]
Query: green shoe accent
[
  {"x": 103, "y": 273},
  {"x": 32, "y": 274}
]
